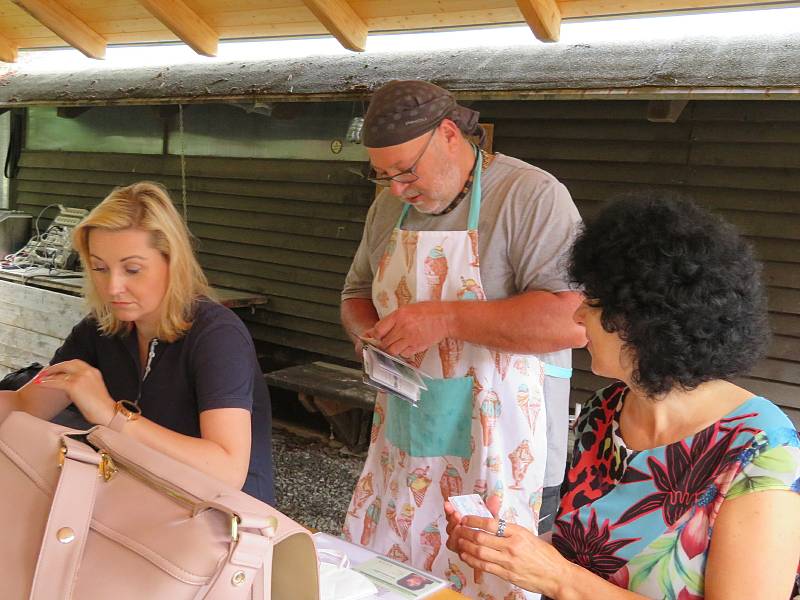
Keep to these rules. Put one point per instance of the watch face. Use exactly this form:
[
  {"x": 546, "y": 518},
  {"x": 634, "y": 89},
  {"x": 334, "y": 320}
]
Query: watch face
[{"x": 130, "y": 410}]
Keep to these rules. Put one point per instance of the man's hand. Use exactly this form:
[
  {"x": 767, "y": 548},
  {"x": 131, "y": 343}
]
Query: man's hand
[{"x": 413, "y": 328}]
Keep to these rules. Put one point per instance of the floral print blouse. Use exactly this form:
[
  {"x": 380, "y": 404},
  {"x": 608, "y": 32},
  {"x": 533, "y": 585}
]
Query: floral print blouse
[{"x": 644, "y": 520}]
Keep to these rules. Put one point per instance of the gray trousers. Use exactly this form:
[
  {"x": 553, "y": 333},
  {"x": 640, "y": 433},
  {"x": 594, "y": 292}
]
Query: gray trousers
[{"x": 550, "y": 498}]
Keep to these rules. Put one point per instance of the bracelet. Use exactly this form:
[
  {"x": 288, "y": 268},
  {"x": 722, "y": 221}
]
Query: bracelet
[{"x": 124, "y": 411}]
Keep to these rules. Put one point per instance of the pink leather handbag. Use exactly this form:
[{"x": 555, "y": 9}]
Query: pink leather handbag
[{"x": 97, "y": 515}]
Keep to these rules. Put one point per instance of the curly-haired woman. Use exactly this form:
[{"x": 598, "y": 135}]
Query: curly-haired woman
[{"x": 683, "y": 485}]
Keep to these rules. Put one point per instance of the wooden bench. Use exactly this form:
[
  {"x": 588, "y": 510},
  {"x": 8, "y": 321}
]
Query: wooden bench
[{"x": 337, "y": 393}]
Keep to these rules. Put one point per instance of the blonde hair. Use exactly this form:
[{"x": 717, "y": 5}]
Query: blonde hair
[{"x": 148, "y": 207}]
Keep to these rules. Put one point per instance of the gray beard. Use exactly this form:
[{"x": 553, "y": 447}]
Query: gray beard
[{"x": 430, "y": 210}]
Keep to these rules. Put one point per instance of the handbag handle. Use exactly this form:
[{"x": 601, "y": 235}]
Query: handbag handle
[
  {"x": 249, "y": 562},
  {"x": 250, "y": 557},
  {"x": 68, "y": 523}
]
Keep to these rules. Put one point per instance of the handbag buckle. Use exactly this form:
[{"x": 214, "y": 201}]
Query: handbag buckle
[
  {"x": 235, "y": 520},
  {"x": 105, "y": 468}
]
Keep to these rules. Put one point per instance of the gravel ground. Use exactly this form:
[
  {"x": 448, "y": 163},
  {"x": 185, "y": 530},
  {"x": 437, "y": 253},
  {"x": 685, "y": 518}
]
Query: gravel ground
[{"x": 314, "y": 479}]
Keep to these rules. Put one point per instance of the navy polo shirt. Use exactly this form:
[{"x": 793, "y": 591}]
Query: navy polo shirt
[{"x": 213, "y": 366}]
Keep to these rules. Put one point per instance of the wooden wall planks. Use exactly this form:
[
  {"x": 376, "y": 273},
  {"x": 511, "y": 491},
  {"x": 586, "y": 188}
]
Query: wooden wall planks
[{"x": 288, "y": 228}]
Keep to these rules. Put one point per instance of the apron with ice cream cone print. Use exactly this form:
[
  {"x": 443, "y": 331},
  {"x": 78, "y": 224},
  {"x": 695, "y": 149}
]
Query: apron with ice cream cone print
[{"x": 479, "y": 428}]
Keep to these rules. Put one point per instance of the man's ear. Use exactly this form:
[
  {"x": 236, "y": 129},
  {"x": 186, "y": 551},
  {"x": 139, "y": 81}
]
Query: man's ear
[{"x": 451, "y": 132}]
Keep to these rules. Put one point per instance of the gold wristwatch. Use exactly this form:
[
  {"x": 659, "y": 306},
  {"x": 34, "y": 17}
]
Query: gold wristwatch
[{"x": 124, "y": 411}]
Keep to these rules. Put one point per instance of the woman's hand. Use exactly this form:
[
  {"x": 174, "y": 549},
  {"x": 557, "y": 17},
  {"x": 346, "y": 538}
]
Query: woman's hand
[
  {"x": 85, "y": 387},
  {"x": 519, "y": 557}
]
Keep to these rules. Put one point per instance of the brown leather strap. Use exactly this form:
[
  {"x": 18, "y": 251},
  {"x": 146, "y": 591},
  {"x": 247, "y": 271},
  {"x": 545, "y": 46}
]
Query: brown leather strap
[{"x": 68, "y": 524}]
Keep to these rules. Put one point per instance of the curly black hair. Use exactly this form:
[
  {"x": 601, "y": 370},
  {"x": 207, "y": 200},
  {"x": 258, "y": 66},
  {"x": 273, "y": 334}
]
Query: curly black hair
[{"x": 679, "y": 285}]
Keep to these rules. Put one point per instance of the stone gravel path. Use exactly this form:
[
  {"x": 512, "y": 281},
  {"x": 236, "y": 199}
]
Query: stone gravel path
[{"x": 314, "y": 479}]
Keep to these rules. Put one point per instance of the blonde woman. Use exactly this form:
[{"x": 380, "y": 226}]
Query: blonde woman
[{"x": 157, "y": 358}]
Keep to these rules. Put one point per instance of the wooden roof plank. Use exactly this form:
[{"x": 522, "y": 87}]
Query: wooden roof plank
[
  {"x": 8, "y": 50},
  {"x": 543, "y": 17},
  {"x": 65, "y": 25},
  {"x": 185, "y": 23},
  {"x": 341, "y": 20}
]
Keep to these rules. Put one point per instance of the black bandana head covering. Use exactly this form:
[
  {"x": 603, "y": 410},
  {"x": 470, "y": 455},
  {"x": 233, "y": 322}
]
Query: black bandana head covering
[{"x": 403, "y": 110}]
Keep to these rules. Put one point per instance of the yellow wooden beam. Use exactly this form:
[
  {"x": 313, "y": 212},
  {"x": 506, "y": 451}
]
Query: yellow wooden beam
[
  {"x": 65, "y": 25},
  {"x": 185, "y": 23},
  {"x": 8, "y": 50},
  {"x": 543, "y": 17},
  {"x": 341, "y": 20}
]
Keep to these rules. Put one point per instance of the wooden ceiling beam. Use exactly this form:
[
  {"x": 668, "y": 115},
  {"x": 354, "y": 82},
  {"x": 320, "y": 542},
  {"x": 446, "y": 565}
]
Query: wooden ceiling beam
[
  {"x": 341, "y": 20},
  {"x": 8, "y": 50},
  {"x": 185, "y": 23},
  {"x": 65, "y": 25},
  {"x": 543, "y": 17}
]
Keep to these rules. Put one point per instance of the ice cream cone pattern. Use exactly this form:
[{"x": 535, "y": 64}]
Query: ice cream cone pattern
[
  {"x": 401, "y": 458},
  {"x": 402, "y": 293},
  {"x": 403, "y": 521},
  {"x": 535, "y": 502},
  {"x": 383, "y": 299},
  {"x": 498, "y": 491},
  {"x": 523, "y": 395},
  {"x": 470, "y": 290},
  {"x": 477, "y": 388},
  {"x": 436, "y": 271},
  {"x": 485, "y": 596},
  {"x": 480, "y": 488},
  {"x": 465, "y": 462},
  {"x": 501, "y": 362},
  {"x": 346, "y": 533},
  {"x": 377, "y": 422},
  {"x": 364, "y": 489},
  {"x": 371, "y": 522},
  {"x": 431, "y": 539},
  {"x": 493, "y": 463},
  {"x": 515, "y": 594},
  {"x": 417, "y": 359},
  {"x": 387, "y": 255},
  {"x": 409, "y": 239},
  {"x": 521, "y": 365},
  {"x": 451, "y": 483},
  {"x": 449, "y": 354},
  {"x": 521, "y": 458},
  {"x": 386, "y": 466},
  {"x": 396, "y": 553},
  {"x": 391, "y": 515},
  {"x": 491, "y": 407},
  {"x": 510, "y": 514},
  {"x": 419, "y": 482},
  {"x": 455, "y": 576},
  {"x": 473, "y": 242}
]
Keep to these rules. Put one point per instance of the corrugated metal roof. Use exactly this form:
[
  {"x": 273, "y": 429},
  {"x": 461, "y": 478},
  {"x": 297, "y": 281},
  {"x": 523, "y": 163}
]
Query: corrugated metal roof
[{"x": 763, "y": 66}]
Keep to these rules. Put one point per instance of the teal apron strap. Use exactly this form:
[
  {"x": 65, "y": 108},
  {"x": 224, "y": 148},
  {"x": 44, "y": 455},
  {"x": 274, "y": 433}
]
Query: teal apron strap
[
  {"x": 475, "y": 198},
  {"x": 558, "y": 372},
  {"x": 403, "y": 214}
]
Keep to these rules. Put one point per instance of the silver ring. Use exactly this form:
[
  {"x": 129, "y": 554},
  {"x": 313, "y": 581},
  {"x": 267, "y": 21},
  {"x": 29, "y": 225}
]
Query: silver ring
[{"x": 501, "y": 528}]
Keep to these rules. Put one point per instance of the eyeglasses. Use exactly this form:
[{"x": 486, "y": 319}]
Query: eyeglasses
[{"x": 404, "y": 177}]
